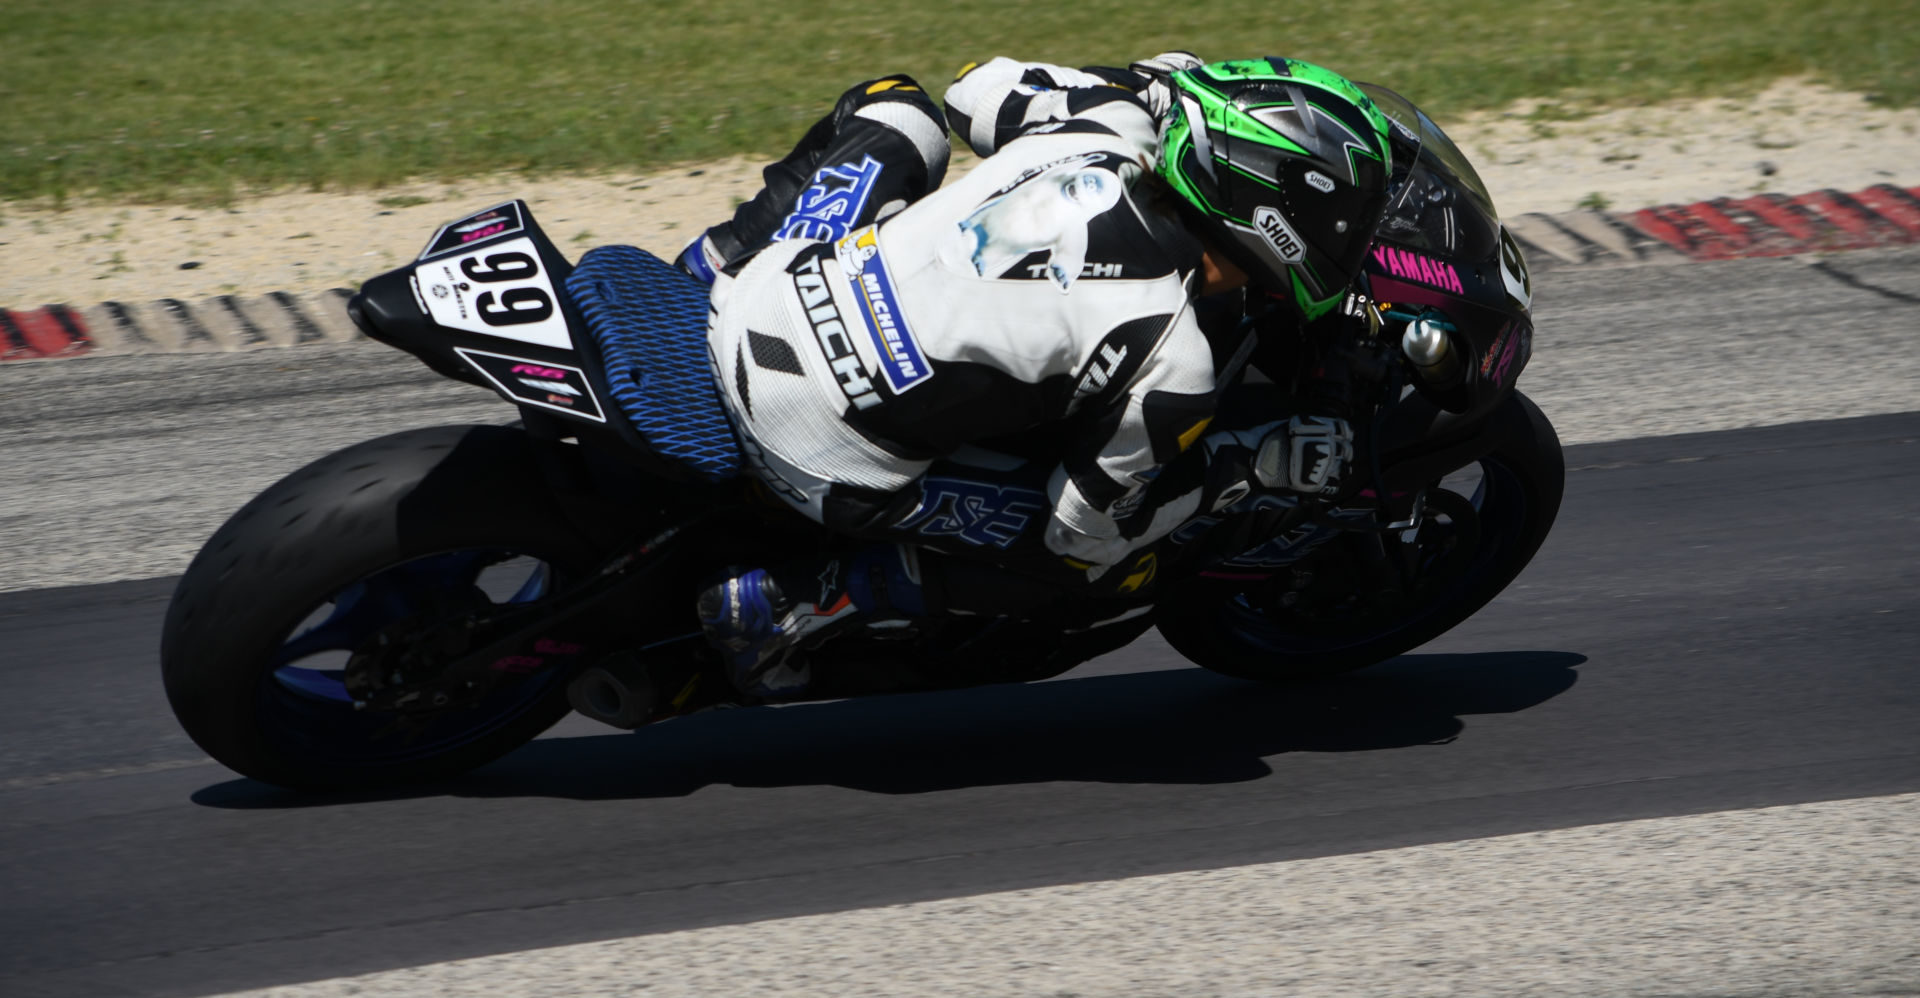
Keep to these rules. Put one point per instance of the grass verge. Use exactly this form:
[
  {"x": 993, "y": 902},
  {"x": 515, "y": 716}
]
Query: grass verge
[{"x": 205, "y": 99}]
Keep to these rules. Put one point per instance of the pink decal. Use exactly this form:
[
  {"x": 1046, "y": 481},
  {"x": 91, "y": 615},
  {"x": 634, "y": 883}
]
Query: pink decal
[
  {"x": 528, "y": 663},
  {"x": 537, "y": 371},
  {"x": 1501, "y": 356},
  {"x": 491, "y": 230},
  {"x": 1406, "y": 293},
  {"x": 1414, "y": 267}
]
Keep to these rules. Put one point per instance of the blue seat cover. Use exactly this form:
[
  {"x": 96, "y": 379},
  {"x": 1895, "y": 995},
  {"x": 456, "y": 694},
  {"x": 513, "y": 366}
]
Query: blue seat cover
[{"x": 650, "y": 319}]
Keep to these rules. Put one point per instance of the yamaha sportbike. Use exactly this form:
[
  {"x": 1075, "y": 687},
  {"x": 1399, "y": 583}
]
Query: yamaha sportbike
[{"x": 416, "y": 605}]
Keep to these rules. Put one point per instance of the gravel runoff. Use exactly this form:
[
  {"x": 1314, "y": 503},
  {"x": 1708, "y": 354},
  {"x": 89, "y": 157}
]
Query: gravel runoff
[
  {"x": 1792, "y": 138},
  {"x": 1810, "y": 899}
]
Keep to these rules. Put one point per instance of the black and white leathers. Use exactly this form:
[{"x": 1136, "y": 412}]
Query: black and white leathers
[{"x": 1045, "y": 284}]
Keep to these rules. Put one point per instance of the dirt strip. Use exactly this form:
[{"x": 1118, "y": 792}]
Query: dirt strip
[
  {"x": 1724, "y": 228},
  {"x": 1794, "y": 137}
]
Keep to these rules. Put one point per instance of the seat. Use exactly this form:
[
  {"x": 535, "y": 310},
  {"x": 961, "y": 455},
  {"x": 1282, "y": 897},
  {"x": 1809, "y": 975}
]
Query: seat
[{"x": 650, "y": 321}]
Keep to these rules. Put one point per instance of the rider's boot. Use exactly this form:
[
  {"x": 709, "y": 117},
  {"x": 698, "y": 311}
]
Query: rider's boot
[
  {"x": 701, "y": 259},
  {"x": 759, "y": 617}
]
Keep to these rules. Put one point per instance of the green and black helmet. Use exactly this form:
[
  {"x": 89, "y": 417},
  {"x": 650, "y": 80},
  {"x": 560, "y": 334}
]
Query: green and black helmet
[{"x": 1283, "y": 165}]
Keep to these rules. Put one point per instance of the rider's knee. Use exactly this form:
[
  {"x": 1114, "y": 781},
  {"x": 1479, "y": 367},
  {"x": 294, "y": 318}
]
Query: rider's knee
[{"x": 897, "y": 107}]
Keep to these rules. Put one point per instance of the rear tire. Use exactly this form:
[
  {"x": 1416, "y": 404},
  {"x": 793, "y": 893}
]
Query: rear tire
[
  {"x": 1230, "y": 630},
  {"x": 380, "y": 524}
]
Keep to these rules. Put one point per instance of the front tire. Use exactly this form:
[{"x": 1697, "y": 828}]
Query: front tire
[
  {"x": 385, "y": 534},
  {"x": 1250, "y": 634}
]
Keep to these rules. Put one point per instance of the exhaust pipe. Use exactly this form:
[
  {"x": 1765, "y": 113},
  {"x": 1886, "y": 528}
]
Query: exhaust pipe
[{"x": 616, "y": 691}]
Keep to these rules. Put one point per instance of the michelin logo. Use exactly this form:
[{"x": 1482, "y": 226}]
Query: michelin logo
[
  {"x": 900, "y": 357},
  {"x": 1044, "y": 211}
]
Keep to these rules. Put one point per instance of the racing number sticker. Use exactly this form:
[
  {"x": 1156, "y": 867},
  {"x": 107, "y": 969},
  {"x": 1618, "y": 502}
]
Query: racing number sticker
[
  {"x": 1513, "y": 270},
  {"x": 499, "y": 290},
  {"x": 516, "y": 306}
]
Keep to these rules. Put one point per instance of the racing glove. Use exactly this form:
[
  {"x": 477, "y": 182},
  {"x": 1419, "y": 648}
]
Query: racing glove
[
  {"x": 1308, "y": 455},
  {"x": 1158, "y": 70}
]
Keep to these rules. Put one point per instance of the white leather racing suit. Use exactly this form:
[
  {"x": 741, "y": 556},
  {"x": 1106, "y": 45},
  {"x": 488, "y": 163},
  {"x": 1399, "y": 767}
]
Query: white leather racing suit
[{"x": 1046, "y": 284}]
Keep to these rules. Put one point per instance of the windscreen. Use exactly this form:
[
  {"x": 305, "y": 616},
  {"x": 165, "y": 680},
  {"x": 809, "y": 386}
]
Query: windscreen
[{"x": 1436, "y": 201}]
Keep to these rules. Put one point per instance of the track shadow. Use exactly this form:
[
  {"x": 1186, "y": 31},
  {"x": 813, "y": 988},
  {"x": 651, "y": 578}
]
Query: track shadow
[{"x": 1181, "y": 726}]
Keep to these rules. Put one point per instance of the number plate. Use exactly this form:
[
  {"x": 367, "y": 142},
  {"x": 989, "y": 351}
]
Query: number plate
[
  {"x": 1513, "y": 270},
  {"x": 499, "y": 289}
]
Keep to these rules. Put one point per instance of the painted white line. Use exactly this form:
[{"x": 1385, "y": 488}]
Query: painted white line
[
  {"x": 1819, "y": 899},
  {"x": 103, "y": 773}
]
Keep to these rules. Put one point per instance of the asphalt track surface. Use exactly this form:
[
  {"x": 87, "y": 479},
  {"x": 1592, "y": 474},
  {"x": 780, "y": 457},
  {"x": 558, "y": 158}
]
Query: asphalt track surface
[{"x": 1719, "y": 621}]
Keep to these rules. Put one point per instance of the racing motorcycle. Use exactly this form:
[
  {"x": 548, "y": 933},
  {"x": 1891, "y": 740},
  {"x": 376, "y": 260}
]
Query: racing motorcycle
[{"x": 416, "y": 605}]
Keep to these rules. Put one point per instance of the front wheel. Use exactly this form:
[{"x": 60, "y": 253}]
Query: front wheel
[
  {"x": 1364, "y": 598},
  {"x": 268, "y": 638}
]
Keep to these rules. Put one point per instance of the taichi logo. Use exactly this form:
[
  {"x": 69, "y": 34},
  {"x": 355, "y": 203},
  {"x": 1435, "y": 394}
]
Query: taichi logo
[
  {"x": 810, "y": 284},
  {"x": 1101, "y": 369},
  {"x": 1039, "y": 270}
]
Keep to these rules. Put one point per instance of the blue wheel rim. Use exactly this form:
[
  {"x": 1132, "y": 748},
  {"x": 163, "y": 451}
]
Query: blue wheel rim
[{"x": 305, "y": 707}]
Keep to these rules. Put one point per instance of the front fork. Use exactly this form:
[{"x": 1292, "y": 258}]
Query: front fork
[{"x": 1348, "y": 366}]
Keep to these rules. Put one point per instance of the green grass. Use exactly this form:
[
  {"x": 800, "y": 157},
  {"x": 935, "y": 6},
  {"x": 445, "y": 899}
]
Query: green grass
[{"x": 197, "y": 99}]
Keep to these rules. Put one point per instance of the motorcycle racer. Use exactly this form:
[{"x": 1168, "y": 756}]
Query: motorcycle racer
[{"x": 870, "y": 329}]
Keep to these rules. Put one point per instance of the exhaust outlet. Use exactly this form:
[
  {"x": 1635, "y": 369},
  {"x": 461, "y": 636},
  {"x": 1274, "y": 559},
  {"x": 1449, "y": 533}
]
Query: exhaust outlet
[{"x": 616, "y": 692}]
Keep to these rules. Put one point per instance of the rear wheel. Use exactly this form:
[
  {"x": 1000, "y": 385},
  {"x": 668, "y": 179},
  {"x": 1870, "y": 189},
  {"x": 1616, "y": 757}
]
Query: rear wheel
[
  {"x": 274, "y": 630},
  {"x": 1364, "y": 598}
]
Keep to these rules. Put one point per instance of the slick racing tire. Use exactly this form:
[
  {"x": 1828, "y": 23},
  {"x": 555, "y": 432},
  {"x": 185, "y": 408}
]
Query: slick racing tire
[
  {"x": 1476, "y": 538},
  {"x": 365, "y": 543}
]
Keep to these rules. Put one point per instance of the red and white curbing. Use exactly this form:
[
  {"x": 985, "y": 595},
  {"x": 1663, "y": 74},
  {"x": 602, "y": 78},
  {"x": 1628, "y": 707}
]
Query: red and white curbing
[
  {"x": 1774, "y": 225},
  {"x": 170, "y": 325},
  {"x": 1720, "y": 229},
  {"x": 1724, "y": 228}
]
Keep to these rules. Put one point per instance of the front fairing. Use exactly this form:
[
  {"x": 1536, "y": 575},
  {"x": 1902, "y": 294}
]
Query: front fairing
[{"x": 1441, "y": 245}]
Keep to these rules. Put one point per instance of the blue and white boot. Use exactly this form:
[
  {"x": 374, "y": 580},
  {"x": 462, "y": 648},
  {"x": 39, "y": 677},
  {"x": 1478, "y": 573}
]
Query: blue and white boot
[
  {"x": 756, "y": 625},
  {"x": 700, "y": 259}
]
